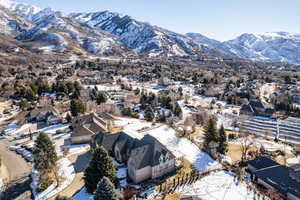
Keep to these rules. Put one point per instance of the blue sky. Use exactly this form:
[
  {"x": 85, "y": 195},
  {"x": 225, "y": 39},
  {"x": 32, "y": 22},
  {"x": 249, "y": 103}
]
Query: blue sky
[{"x": 218, "y": 19}]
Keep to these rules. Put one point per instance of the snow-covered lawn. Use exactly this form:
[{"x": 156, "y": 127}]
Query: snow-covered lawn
[
  {"x": 104, "y": 87},
  {"x": 121, "y": 174},
  {"x": 54, "y": 128},
  {"x": 180, "y": 147},
  {"x": 218, "y": 186},
  {"x": 76, "y": 149},
  {"x": 66, "y": 172}
]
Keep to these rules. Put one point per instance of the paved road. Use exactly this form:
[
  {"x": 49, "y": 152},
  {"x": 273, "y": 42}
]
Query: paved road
[{"x": 17, "y": 168}]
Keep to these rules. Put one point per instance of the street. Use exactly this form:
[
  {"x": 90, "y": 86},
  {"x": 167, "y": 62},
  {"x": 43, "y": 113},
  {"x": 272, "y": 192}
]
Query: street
[{"x": 19, "y": 171}]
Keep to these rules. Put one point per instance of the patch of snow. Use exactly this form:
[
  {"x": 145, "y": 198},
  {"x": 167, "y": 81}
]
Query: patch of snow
[
  {"x": 122, "y": 173},
  {"x": 180, "y": 147},
  {"x": 66, "y": 172},
  {"x": 52, "y": 129},
  {"x": 76, "y": 149},
  {"x": 218, "y": 186}
]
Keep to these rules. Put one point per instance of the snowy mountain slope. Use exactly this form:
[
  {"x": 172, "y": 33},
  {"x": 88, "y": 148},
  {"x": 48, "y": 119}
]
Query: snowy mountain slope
[
  {"x": 142, "y": 37},
  {"x": 10, "y": 23},
  {"x": 273, "y": 46},
  {"x": 54, "y": 31},
  {"x": 26, "y": 11},
  {"x": 107, "y": 32},
  {"x": 276, "y": 46}
]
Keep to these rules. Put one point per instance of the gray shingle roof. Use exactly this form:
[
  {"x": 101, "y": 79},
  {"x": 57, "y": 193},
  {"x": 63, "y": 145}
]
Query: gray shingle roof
[{"x": 144, "y": 152}]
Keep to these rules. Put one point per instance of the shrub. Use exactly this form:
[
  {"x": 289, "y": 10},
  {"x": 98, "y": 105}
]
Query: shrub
[{"x": 44, "y": 185}]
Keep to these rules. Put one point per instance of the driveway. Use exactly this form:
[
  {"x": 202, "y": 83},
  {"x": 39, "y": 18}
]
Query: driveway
[{"x": 18, "y": 172}]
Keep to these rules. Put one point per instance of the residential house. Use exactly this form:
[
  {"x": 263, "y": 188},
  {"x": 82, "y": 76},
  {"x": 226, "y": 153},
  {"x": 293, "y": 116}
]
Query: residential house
[
  {"x": 146, "y": 158},
  {"x": 256, "y": 108},
  {"x": 47, "y": 114},
  {"x": 84, "y": 127},
  {"x": 273, "y": 176}
]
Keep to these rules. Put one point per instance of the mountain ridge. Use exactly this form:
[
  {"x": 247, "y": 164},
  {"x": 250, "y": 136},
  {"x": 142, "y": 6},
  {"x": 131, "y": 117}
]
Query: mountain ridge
[{"x": 105, "y": 32}]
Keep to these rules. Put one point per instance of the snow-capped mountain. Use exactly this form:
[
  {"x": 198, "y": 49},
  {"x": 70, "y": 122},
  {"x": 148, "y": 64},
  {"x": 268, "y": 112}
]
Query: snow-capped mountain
[
  {"x": 273, "y": 46},
  {"x": 276, "y": 46},
  {"x": 11, "y": 24},
  {"x": 55, "y": 31},
  {"x": 107, "y": 32},
  {"x": 26, "y": 11},
  {"x": 142, "y": 37}
]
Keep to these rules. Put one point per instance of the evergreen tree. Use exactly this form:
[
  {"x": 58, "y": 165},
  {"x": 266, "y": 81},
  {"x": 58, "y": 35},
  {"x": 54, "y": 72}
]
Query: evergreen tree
[
  {"x": 126, "y": 111},
  {"x": 149, "y": 114},
  {"x": 223, "y": 146},
  {"x": 177, "y": 110},
  {"x": 76, "y": 107},
  {"x": 137, "y": 91},
  {"x": 105, "y": 190},
  {"x": 101, "y": 98},
  {"x": 100, "y": 166},
  {"x": 165, "y": 101},
  {"x": 44, "y": 153},
  {"x": 210, "y": 132}
]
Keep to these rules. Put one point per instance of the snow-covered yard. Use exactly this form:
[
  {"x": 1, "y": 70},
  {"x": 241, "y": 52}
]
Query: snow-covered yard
[
  {"x": 54, "y": 128},
  {"x": 66, "y": 172},
  {"x": 218, "y": 186}
]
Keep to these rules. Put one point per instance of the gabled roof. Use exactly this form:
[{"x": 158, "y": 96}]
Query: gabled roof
[
  {"x": 282, "y": 178},
  {"x": 42, "y": 111},
  {"x": 262, "y": 163},
  {"x": 279, "y": 178},
  {"x": 256, "y": 104},
  {"x": 145, "y": 152},
  {"x": 150, "y": 154},
  {"x": 295, "y": 172},
  {"x": 89, "y": 124}
]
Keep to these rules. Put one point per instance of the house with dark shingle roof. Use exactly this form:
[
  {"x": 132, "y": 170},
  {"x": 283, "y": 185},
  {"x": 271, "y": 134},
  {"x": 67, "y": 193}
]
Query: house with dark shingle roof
[
  {"x": 274, "y": 176},
  {"x": 256, "y": 108},
  {"x": 85, "y": 126},
  {"x": 46, "y": 114},
  {"x": 146, "y": 158}
]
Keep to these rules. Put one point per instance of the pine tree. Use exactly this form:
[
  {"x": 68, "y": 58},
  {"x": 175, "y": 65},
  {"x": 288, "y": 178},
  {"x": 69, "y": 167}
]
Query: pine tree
[
  {"x": 223, "y": 146},
  {"x": 149, "y": 114},
  {"x": 44, "y": 153},
  {"x": 177, "y": 110},
  {"x": 105, "y": 190},
  {"x": 210, "y": 132},
  {"x": 101, "y": 98},
  {"x": 100, "y": 166},
  {"x": 77, "y": 107}
]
